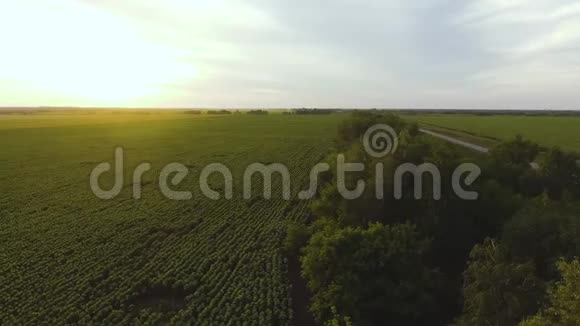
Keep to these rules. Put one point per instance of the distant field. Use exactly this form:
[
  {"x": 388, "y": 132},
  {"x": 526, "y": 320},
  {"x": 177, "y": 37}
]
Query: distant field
[
  {"x": 52, "y": 119},
  {"x": 547, "y": 131},
  {"x": 70, "y": 257}
]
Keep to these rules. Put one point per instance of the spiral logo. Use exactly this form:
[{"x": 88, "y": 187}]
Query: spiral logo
[{"x": 380, "y": 140}]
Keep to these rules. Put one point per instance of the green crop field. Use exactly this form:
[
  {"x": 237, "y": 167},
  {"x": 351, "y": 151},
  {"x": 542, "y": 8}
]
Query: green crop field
[
  {"x": 67, "y": 256},
  {"x": 546, "y": 130}
]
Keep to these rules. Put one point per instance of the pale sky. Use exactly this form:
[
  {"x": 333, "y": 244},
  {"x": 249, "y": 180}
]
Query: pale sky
[{"x": 502, "y": 54}]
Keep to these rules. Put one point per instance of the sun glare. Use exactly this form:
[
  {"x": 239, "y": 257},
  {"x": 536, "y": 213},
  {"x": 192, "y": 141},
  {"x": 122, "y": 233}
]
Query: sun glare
[{"x": 87, "y": 54}]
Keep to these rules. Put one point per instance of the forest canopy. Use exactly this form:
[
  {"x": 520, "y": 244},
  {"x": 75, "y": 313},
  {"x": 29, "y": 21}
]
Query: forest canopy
[{"x": 506, "y": 258}]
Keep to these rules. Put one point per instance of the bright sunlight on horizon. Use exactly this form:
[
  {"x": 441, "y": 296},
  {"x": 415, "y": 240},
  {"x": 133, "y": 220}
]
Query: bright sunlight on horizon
[
  {"x": 68, "y": 52},
  {"x": 501, "y": 54}
]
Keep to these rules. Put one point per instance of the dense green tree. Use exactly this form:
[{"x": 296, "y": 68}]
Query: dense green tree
[
  {"x": 542, "y": 232},
  {"x": 561, "y": 173},
  {"x": 497, "y": 291},
  {"x": 516, "y": 152},
  {"x": 373, "y": 275},
  {"x": 510, "y": 160},
  {"x": 352, "y": 129},
  {"x": 564, "y": 301}
]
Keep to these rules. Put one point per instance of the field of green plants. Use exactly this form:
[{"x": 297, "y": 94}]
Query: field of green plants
[
  {"x": 547, "y": 131},
  {"x": 69, "y": 257}
]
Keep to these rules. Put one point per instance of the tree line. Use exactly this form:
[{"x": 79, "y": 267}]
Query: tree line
[{"x": 507, "y": 258}]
